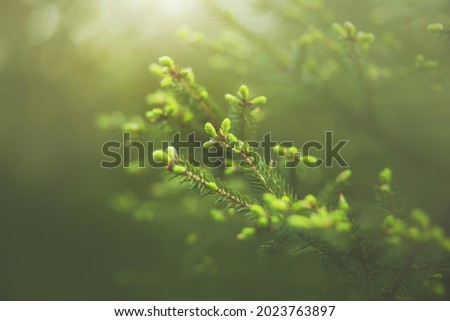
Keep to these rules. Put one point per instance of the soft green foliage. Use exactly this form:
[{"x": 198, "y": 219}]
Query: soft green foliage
[
  {"x": 384, "y": 253},
  {"x": 328, "y": 226}
]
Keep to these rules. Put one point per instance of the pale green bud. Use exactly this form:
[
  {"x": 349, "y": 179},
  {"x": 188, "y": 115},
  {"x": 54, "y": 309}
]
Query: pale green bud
[
  {"x": 437, "y": 233},
  {"x": 393, "y": 225},
  {"x": 343, "y": 205},
  {"x": 279, "y": 150},
  {"x": 204, "y": 95},
  {"x": 158, "y": 112},
  {"x": 308, "y": 159},
  {"x": 226, "y": 126},
  {"x": 344, "y": 227},
  {"x": 217, "y": 215},
  {"x": 320, "y": 221},
  {"x": 338, "y": 215},
  {"x": 436, "y": 27},
  {"x": 149, "y": 115},
  {"x": 166, "y": 62},
  {"x": 210, "y": 130},
  {"x": 311, "y": 199},
  {"x": 133, "y": 127},
  {"x": 191, "y": 239},
  {"x": 232, "y": 139},
  {"x": 166, "y": 82},
  {"x": 292, "y": 151},
  {"x": 260, "y": 100},
  {"x": 385, "y": 176},
  {"x": 297, "y": 206},
  {"x": 156, "y": 98},
  {"x": 299, "y": 221},
  {"x": 180, "y": 170},
  {"x": 233, "y": 100},
  {"x": 420, "y": 218},
  {"x": 365, "y": 36},
  {"x": 275, "y": 220},
  {"x": 275, "y": 203},
  {"x": 172, "y": 152},
  {"x": 430, "y": 64},
  {"x": 255, "y": 111},
  {"x": 188, "y": 75},
  {"x": 420, "y": 61},
  {"x": 257, "y": 210},
  {"x": 413, "y": 233},
  {"x": 160, "y": 157},
  {"x": 246, "y": 233},
  {"x": 350, "y": 28},
  {"x": 188, "y": 116},
  {"x": 339, "y": 30},
  {"x": 385, "y": 188},
  {"x": 172, "y": 108},
  {"x": 344, "y": 176},
  {"x": 156, "y": 70},
  {"x": 213, "y": 186},
  {"x": 244, "y": 92},
  {"x": 246, "y": 149},
  {"x": 263, "y": 221}
]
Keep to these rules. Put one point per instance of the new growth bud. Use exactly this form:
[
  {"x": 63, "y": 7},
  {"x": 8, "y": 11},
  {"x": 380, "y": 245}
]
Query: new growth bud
[
  {"x": 257, "y": 210},
  {"x": 166, "y": 62},
  {"x": 160, "y": 156},
  {"x": 343, "y": 205},
  {"x": 133, "y": 127},
  {"x": 180, "y": 170},
  {"x": 436, "y": 27},
  {"x": 204, "y": 95},
  {"x": 172, "y": 152},
  {"x": 350, "y": 28},
  {"x": 385, "y": 176},
  {"x": 210, "y": 130},
  {"x": 233, "y": 100},
  {"x": 246, "y": 233},
  {"x": 260, "y": 100},
  {"x": 232, "y": 139},
  {"x": 213, "y": 186},
  {"x": 217, "y": 215},
  {"x": 339, "y": 30},
  {"x": 166, "y": 82},
  {"x": 226, "y": 126},
  {"x": 344, "y": 176},
  {"x": 244, "y": 92}
]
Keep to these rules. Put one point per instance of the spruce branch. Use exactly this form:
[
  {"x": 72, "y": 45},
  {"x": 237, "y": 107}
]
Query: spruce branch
[
  {"x": 206, "y": 183},
  {"x": 243, "y": 111},
  {"x": 263, "y": 173},
  {"x": 184, "y": 77}
]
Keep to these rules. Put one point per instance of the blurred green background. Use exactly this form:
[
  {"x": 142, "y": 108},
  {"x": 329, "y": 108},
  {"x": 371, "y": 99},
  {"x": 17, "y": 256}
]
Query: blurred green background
[{"x": 64, "y": 62}]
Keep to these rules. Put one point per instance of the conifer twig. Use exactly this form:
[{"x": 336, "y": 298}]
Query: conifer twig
[{"x": 220, "y": 191}]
